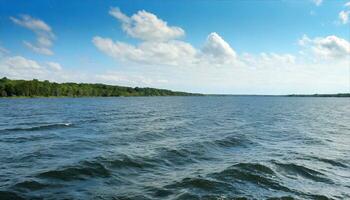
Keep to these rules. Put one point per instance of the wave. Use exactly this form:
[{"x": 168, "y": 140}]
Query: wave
[
  {"x": 129, "y": 162},
  {"x": 299, "y": 170},
  {"x": 180, "y": 156},
  {"x": 31, "y": 185},
  {"x": 230, "y": 141},
  {"x": 42, "y": 127},
  {"x": 200, "y": 183},
  {"x": 84, "y": 170},
  {"x": 197, "y": 188},
  {"x": 254, "y": 173},
  {"x": 332, "y": 162}
]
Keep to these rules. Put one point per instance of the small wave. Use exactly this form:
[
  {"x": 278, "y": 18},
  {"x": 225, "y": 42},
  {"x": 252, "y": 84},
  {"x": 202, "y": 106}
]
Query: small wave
[
  {"x": 294, "y": 169},
  {"x": 181, "y": 156},
  {"x": 204, "y": 184},
  {"x": 128, "y": 162},
  {"x": 82, "y": 171},
  {"x": 159, "y": 192},
  {"x": 31, "y": 185},
  {"x": 42, "y": 127},
  {"x": 251, "y": 172},
  {"x": 230, "y": 141},
  {"x": 319, "y": 197},
  {"x": 332, "y": 162},
  {"x": 255, "y": 167}
]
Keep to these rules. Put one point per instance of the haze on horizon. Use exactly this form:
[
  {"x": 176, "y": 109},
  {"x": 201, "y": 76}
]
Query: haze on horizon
[{"x": 221, "y": 47}]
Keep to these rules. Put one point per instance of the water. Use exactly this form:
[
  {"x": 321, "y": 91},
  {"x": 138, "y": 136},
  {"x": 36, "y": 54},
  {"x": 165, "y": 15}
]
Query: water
[{"x": 175, "y": 148}]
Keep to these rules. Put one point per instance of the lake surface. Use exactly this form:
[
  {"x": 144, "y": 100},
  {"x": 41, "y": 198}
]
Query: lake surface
[{"x": 175, "y": 148}]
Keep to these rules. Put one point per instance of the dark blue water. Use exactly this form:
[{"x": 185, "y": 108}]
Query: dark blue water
[{"x": 175, "y": 148}]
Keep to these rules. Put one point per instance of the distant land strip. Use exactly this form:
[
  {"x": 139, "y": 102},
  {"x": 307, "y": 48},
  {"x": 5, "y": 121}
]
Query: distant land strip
[
  {"x": 36, "y": 88},
  {"x": 320, "y": 95},
  {"x": 288, "y": 95}
]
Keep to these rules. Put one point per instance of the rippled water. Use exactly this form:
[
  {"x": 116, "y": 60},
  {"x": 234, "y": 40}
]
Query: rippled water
[{"x": 175, "y": 148}]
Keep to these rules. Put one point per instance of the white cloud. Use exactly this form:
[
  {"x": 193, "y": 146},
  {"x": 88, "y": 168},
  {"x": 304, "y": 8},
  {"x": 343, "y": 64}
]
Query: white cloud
[
  {"x": 317, "y": 2},
  {"x": 268, "y": 60},
  {"x": 163, "y": 59},
  {"x": 38, "y": 48},
  {"x": 329, "y": 47},
  {"x": 344, "y": 16},
  {"x": 347, "y": 4},
  {"x": 54, "y": 66},
  {"x": 216, "y": 52},
  {"x": 31, "y": 23},
  {"x": 161, "y": 53},
  {"x": 42, "y": 31},
  {"x": 19, "y": 62},
  {"x": 161, "y": 45},
  {"x": 146, "y": 26},
  {"x": 218, "y": 49},
  {"x": 19, "y": 67}
]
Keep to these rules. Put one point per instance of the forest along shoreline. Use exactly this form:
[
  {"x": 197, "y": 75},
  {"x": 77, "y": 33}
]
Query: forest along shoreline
[{"x": 36, "y": 88}]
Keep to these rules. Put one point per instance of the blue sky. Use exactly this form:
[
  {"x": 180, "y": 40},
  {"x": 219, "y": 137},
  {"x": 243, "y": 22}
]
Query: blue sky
[{"x": 234, "y": 47}]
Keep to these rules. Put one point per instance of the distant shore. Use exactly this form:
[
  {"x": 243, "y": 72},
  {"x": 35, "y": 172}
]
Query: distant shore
[
  {"x": 320, "y": 95},
  {"x": 347, "y": 95},
  {"x": 288, "y": 95},
  {"x": 45, "y": 89}
]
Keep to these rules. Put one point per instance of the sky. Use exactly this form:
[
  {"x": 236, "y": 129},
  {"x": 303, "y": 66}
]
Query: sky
[{"x": 213, "y": 47}]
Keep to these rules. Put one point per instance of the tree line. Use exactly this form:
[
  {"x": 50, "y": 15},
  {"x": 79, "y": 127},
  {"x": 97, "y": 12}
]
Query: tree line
[{"x": 36, "y": 88}]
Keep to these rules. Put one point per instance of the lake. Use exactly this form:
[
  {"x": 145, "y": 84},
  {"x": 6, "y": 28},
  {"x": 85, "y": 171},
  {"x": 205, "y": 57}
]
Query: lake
[{"x": 205, "y": 147}]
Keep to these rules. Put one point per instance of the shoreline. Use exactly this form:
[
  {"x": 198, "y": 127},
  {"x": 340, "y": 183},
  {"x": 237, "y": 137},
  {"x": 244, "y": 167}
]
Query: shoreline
[{"x": 202, "y": 95}]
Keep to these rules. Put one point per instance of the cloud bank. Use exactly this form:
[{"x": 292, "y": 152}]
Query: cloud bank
[
  {"x": 159, "y": 44},
  {"x": 216, "y": 63}
]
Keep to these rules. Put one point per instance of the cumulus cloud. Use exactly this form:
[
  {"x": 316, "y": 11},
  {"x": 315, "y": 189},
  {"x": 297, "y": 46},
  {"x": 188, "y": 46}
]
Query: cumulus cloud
[
  {"x": 42, "y": 31},
  {"x": 329, "y": 47},
  {"x": 19, "y": 67},
  {"x": 146, "y": 26},
  {"x": 218, "y": 49},
  {"x": 19, "y": 62},
  {"x": 162, "y": 53}
]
